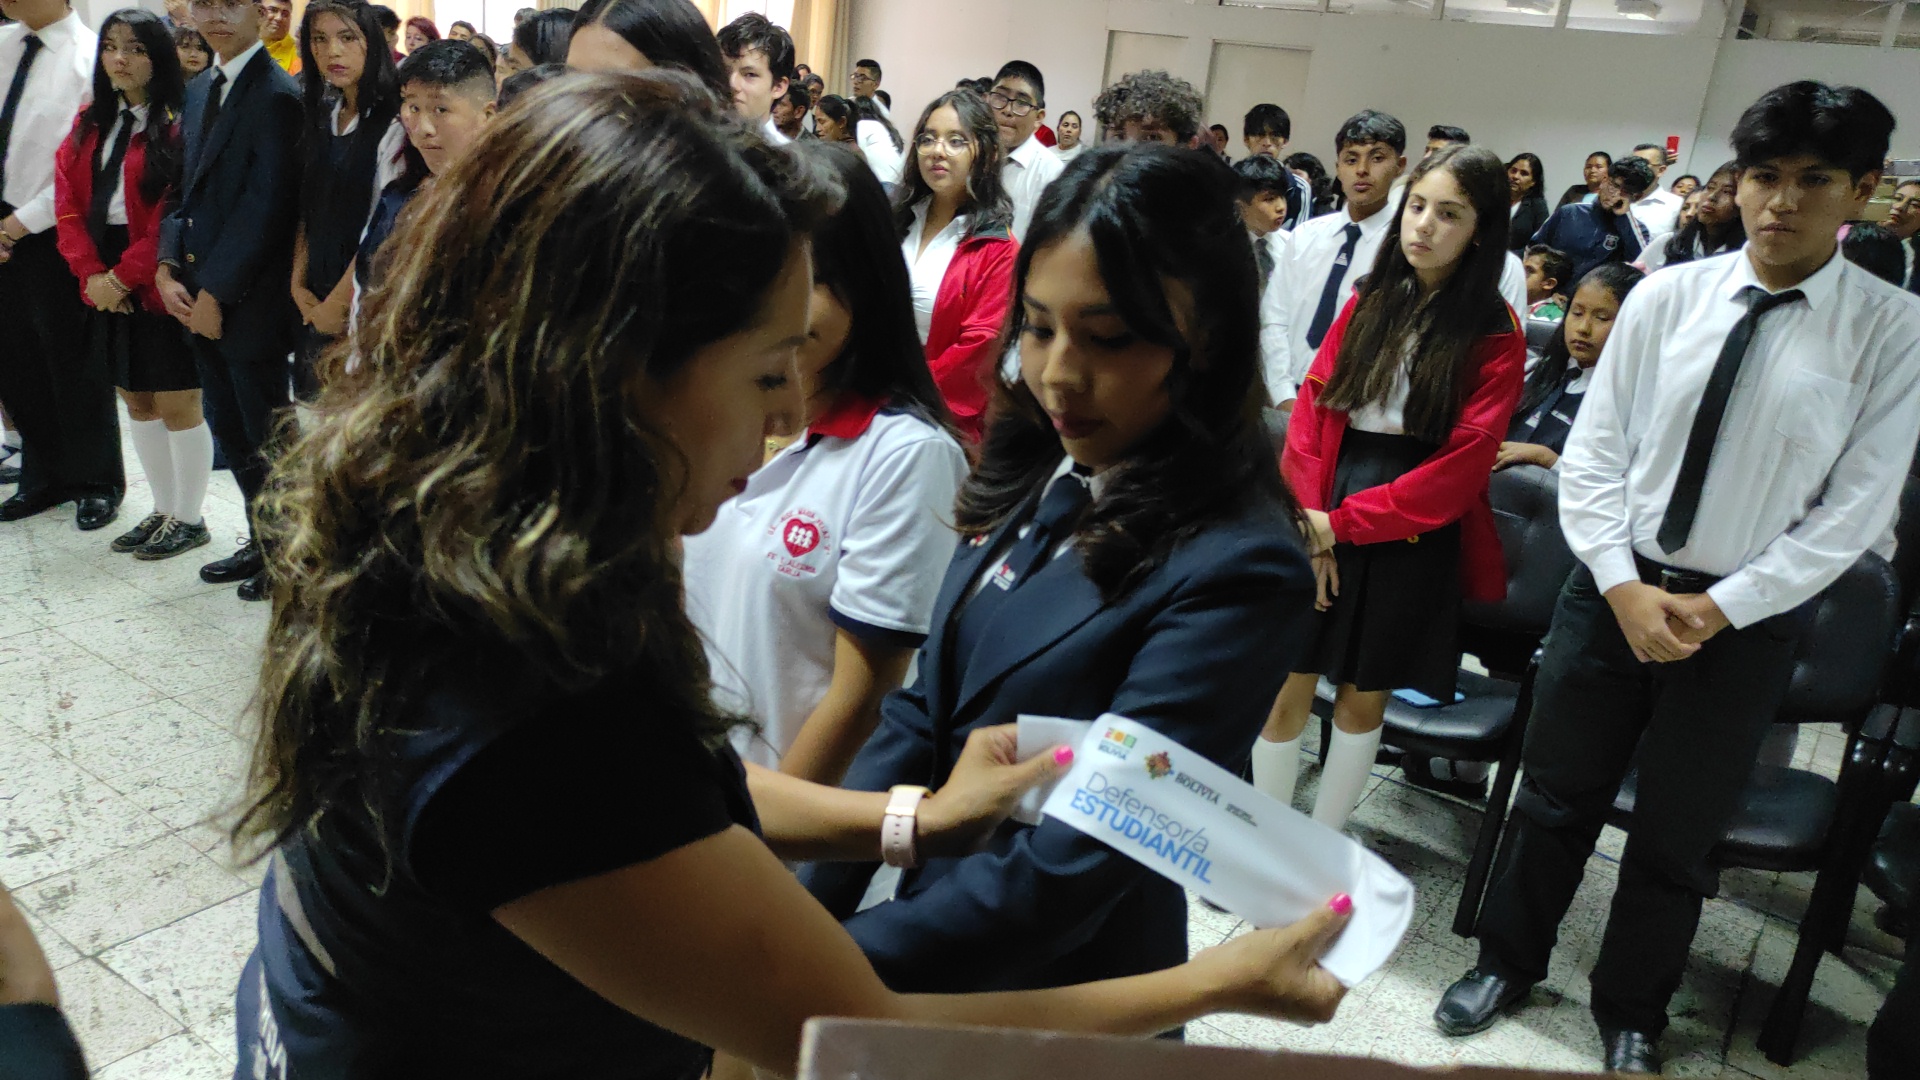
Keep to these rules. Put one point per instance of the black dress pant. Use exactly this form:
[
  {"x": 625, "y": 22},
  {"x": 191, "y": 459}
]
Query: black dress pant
[
  {"x": 1893, "y": 1042},
  {"x": 61, "y": 402},
  {"x": 245, "y": 398},
  {"x": 1698, "y": 725}
]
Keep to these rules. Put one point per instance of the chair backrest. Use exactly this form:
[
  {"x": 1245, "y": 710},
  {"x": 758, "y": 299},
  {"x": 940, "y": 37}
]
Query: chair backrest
[
  {"x": 1540, "y": 333},
  {"x": 1843, "y": 658},
  {"x": 1906, "y": 534},
  {"x": 1526, "y": 510}
]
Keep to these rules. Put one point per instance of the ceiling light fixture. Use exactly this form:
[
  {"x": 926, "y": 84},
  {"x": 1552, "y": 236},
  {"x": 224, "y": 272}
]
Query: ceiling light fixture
[{"x": 1638, "y": 9}]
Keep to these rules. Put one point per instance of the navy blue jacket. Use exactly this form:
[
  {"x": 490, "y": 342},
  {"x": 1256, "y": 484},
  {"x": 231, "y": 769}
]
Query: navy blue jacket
[
  {"x": 1197, "y": 651},
  {"x": 1590, "y": 234},
  {"x": 230, "y": 221}
]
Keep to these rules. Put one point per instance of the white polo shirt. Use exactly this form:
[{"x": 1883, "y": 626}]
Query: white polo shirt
[{"x": 850, "y": 527}]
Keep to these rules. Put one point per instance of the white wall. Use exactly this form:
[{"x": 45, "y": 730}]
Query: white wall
[
  {"x": 1747, "y": 69},
  {"x": 1558, "y": 93}
]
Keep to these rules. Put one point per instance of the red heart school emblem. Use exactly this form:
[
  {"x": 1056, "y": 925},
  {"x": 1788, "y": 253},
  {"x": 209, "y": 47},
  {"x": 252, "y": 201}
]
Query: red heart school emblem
[{"x": 800, "y": 538}]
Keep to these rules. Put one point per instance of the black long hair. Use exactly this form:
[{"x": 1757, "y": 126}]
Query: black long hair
[
  {"x": 545, "y": 35},
  {"x": 671, "y": 33},
  {"x": 379, "y": 91},
  {"x": 1441, "y": 329},
  {"x": 1154, "y": 214},
  {"x": 1539, "y": 189},
  {"x": 856, "y": 255},
  {"x": 1617, "y": 278},
  {"x": 166, "y": 94},
  {"x": 1710, "y": 240},
  {"x": 989, "y": 208}
]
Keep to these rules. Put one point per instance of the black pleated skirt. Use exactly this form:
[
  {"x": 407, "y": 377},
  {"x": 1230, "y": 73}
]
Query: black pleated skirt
[
  {"x": 1396, "y": 622},
  {"x": 139, "y": 351}
]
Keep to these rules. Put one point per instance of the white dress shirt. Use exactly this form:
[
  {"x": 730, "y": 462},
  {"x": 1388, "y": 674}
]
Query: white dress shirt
[
  {"x": 1293, "y": 293},
  {"x": 234, "y": 67},
  {"x": 1658, "y": 210},
  {"x": 1026, "y": 173},
  {"x": 885, "y": 159},
  {"x": 117, "y": 206},
  {"x": 1812, "y": 450},
  {"x": 927, "y": 269},
  {"x": 773, "y": 133},
  {"x": 1300, "y": 273},
  {"x": 58, "y": 86}
]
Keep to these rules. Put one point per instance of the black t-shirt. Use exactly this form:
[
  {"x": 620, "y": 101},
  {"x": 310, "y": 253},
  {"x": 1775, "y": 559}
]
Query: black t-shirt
[{"x": 503, "y": 786}]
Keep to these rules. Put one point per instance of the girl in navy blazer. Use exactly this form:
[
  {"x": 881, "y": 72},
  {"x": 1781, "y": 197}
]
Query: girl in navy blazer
[{"x": 1127, "y": 548}]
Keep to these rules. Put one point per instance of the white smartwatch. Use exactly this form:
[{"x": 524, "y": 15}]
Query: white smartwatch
[{"x": 900, "y": 829}]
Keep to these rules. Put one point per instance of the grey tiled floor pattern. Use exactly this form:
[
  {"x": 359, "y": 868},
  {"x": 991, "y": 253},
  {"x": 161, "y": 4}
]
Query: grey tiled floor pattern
[{"x": 121, "y": 681}]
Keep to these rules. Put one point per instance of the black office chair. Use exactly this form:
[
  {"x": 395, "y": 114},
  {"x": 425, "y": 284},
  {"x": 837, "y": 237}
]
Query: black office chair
[
  {"x": 1489, "y": 723},
  {"x": 1540, "y": 333}
]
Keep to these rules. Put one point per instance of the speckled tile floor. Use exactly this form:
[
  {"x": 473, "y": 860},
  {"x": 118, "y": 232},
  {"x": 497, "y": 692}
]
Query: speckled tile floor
[{"x": 121, "y": 682}]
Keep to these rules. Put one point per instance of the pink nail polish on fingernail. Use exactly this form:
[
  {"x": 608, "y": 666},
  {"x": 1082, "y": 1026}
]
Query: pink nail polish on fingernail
[
  {"x": 1063, "y": 756},
  {"x": 1341, "y": 904}
]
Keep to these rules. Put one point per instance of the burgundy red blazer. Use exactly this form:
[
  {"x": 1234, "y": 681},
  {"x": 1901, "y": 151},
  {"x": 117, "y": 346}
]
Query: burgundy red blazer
[
  {"x": 73, "y": 194},
  {"x": 969, "y": 314},
  {"x": 1449, "y": 486}
]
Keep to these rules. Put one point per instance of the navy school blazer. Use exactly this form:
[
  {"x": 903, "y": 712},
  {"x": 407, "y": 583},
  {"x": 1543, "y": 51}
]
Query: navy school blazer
[
  {"x": 230, "y": 221},
  {"x": 1196, "y": 651}
]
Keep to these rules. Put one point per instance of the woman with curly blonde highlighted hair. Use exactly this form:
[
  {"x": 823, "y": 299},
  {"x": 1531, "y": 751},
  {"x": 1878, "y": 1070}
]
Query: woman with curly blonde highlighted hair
[{"x": 507, "y": 836}]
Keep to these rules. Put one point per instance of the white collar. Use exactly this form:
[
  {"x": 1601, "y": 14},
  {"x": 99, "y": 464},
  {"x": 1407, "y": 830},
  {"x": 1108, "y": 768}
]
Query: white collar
[
  {"x": 1096, "y": 482},
  {"x": 1027, "y": 152},
  {"x": 925, "y": 206},
  {"x": 233, "y": 68},
  {"x": 773, "y": 132},
  {"x": 59, "y": 31},
  {"x": 1818, "y": 288}
]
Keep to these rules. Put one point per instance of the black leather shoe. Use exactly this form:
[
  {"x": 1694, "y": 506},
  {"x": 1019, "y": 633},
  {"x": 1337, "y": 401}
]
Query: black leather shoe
[
  {"x": 238, "y": 566},
  {"x": 1476, "y": 1001},
  {"x": 1630, "y": 1052},
  {"x": 25, "y": 506},
  {"x": 254, "y": 588},
  {"x": 92, "y": 512}
]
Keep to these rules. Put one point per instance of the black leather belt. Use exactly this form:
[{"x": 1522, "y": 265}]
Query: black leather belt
[{"x": 1671, "y": 578}]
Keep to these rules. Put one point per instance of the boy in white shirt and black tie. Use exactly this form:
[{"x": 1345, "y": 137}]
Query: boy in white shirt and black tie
[{"x": 1743, "y": 444}]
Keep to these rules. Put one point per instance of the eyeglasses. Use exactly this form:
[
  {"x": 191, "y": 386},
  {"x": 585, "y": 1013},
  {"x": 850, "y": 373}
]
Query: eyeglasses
[
  {"x": 954, "y": 144},
  {"x": 217, "y": 9},
  {"x": 1015, "y": 106},
  {"x": 859, "y": 77}
]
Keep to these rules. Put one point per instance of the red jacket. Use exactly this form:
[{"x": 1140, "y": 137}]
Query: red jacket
[
  {"x": 1449, "y": 486},
  {"x": 73, "y": 194},
  {"x": 969, "y": 314}
]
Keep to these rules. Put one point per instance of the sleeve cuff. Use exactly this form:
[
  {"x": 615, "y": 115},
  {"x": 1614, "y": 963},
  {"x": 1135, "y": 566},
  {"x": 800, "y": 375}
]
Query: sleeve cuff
[
  {"x": 1611, "y": 568},
  {"x": 35, "y": 217},
  {"x": 875, "y": 635},
  {"x": 1740, "y": 603}
]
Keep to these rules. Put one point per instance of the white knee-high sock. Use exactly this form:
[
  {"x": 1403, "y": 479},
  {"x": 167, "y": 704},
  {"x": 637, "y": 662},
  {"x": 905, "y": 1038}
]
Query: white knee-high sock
[
  {"x": 192, "y": 465},
  {"x": 156, "y": 460},
  {"x": 1343, "y": 777},
  {"x": 1276, "y": 767}
]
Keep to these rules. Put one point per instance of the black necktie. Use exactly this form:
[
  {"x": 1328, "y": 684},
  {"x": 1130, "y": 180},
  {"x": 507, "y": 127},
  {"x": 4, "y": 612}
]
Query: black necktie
[
  {"x": 1263, "y": 256},
  {"x": 1060, "y": 509},
  {"x": 15, "y": 91},
  {"x": 1330, "y": 292},
  {"x": 1685, "y": 503},
  {"x": 211, "y": 115},
  {"x": 106, "y": 177}
]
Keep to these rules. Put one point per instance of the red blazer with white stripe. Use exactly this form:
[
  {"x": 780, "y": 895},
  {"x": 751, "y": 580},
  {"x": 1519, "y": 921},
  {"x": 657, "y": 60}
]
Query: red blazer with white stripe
[
  {"x": 969, "y": 314},
  {"x": 73, "y": 194},
  {"x": 1451, "y": 485}
]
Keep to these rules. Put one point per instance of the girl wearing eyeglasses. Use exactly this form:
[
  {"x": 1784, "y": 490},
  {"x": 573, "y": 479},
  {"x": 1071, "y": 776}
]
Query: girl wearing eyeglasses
[{"x": 956, "y": 223}]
